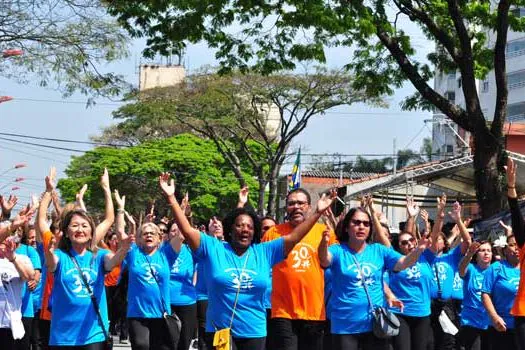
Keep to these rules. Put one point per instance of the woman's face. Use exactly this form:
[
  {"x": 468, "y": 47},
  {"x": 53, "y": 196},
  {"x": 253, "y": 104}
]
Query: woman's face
[
  {"x": 216, "y": 230},
  {"x": 407, "y": 243},
  {"x": 242, "y": 231},
  {"x": 511, "y": 251},
  {"x": 484, "y": 254},
  {"x": 440, "y": 244},
  {"x": 79, "y": 230},
  {"x": 113, "y": 242},
  {"x": 164, "y": 231},
  {"x": 150, "y": 238},
  {"x": 175, "y": 232},
  {"x": 267, "y": 224},
  {"x": 358, "y": 227}
]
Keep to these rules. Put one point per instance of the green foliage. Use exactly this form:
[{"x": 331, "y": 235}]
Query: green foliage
[
  {"x": 195, "y": 164},
  {"x": 65, "y": 43}
]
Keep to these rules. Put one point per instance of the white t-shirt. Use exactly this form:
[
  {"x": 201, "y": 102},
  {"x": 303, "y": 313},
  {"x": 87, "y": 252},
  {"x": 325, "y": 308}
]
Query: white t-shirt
[{"x": 10, "y": 289}]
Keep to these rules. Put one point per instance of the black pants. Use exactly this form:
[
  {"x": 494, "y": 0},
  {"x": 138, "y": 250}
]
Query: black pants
[
  {"x": 45, "y": 329},
  {"x": 149, "y": 333},
  {"x": 92, "y": 346},
  {"x": 519, "y": 326},
  {"x": 502, "y": 340},
  {"x": 240, "y": 343},
  {"x": 25, "y": 342},
  {"x": 6, "y": 339},
  {"x": 297, "y": 334},
  {"x": 363, "y": 341},
  {"x": 413, "y": 333},
  {"x": 472, "y": 338},
  {"x": 188, "y": 318},
  {"x": 202, "y": 306},
  {"x": 35, "y": 332},
  {"x": 327, "y": 341},
  {"x": 442, "y": 340}
]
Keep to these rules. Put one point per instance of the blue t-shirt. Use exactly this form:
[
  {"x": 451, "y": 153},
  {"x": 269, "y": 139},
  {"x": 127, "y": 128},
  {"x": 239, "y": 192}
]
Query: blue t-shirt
[
  {"x": 74, "y": 321},
  {"x": 37, "y": 293},
  {"x": 182, "y": 290},
  {"x": 413, "y": 286},
  {"x": 226, "y": 272},
  {"x": 501, "y": 282},
  {"x": 328, "y": 291},
  {"x": 200, "y": 286},
  {"x": 27, "y": 295},
  {"x": 144, "y": 294},
  {"x": 351, "y": 311},
  {"x": 473, "y": 313},
  {"x": 447, "y": 268}
]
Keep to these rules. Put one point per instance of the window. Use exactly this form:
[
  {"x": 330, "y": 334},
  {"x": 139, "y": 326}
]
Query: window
[
  {"x": 518, "y": 12},
  {"x": 485, "y": 86},
  {"x": 516, "y": 48},
  {"x": 516, "y": 80},
  {"x": 516, "y": 111},
  {"x": 451, "y": 75},
  {"x": 450, "y": 148},
  {"x": 451, "y": 96}
]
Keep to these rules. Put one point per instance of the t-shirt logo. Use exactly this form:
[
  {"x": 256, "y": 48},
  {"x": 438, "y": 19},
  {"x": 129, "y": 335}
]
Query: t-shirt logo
[
  {"x": 151, "y": 273},
  {"x": 413, "y": 273},
  {"x": 176, "y": 267},
  {"x": 515, "y": 282},
  {"x": 6, "y": 279},
  {"x": 457, "y": 283},
  {"x": 301, "y": 257},
  {"x": 78, "y": 286},
  {"x": 365, "y": 275},
  {"x": 241, "y": 279},
  {"x": 478, "y": 283},
  {"x": 442, "y": 271}
]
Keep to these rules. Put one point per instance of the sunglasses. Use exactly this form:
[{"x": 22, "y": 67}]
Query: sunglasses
[
  {"x": 359, "y": 222},
  {"x": 406, "y": 241}
]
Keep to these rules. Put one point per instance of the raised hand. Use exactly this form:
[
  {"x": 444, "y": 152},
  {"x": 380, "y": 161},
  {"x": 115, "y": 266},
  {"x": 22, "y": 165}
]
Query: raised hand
[
  {"x": 80, "y": 195},
  {"x": 8, "y": 249},
  {"x": 243, "y": 195},
  {"x": 51, "y": 179},
  {"x": 167, "y": 185},
  {"x": 185, "y": 203},
  {"x": 104, "y": 180},
  {"x": 8, "y": 205},
  {"x": 326, "y": 237},
  {"x": 507, "y": 228},
  {"x": 473, "y": 248},
  {"x": 441, "y": 204},
  {"x": 455, "y": 213},
  {"x": 412, "y": 207},
  {"x": 326, "y": 200},
  {"x": 121, "y": 201},
  {"x": 424, "y": 242},
  {"x": 510, "y": 169}
]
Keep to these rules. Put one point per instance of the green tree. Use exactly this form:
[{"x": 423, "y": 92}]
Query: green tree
[
  {"x": 195, "y": 164},
  {"x": 65, "y": 42},
  {"x": 249, "y": 117},
  {"x": 426, "y": 148},
  {"x": 274, "y": 35}
]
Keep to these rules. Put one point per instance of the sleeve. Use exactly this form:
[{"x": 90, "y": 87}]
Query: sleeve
[
  {"x": 268, "y": 235},
  {"x": 35, "y": 259},
  {"x": 207, "y": 244},
  {"x": 60, "y": 256},
  {"x": 274, "y": 250},
  {"x": 335, "y": 251},
  {"x": 490, "y": 276},
  {"x": 170, "y": 254},
  {"x": 101, "y": 253},
  {"x": 390, "y": 257},
  {"x": 429, "y": 256},
  {"x": 517, "y": 222}
]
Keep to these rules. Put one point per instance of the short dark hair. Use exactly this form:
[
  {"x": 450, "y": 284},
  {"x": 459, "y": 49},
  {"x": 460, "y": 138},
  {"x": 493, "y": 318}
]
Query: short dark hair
[
  {"x": 300, "y": 190},
  {"x": 229, "y": 221},
  {"x": 342, "y": 231},
  {"x": 268, "y": 217}
]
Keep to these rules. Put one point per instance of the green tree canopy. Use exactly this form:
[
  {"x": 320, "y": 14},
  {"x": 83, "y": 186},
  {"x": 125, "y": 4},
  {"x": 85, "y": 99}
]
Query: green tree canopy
[
  {"x": 274, "y": 35},
  {"x": 195, "y": 164}
]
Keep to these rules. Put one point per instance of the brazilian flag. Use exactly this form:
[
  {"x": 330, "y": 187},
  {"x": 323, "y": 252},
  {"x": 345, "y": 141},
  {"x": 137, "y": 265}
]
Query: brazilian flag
[{"x": 295, "y": 180}]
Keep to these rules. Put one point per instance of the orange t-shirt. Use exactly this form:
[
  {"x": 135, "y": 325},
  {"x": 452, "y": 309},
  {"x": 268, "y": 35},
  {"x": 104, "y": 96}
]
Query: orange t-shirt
[
  {"x": 518, "y": 309},
  {"x": 298, "y": 281},
  {"x": 111, "y": 278},
  {"x": 48, "y": 287}
]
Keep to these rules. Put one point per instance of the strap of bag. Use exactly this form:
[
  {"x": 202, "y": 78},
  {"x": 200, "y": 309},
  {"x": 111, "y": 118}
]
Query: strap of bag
[
  {"x": 158, "y": 284},
  {"x": 239, "y": 289},
  {"x": 440, "y": 292},
  {"x": 91, "y": 295},
  {"x": 363, "y": 282}
]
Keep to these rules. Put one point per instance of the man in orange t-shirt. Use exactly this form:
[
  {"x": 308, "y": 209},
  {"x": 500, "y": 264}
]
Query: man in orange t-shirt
[{"x": 298, "y": 310}]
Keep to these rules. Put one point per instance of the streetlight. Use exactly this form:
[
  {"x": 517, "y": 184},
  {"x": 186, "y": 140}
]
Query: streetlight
[
  {"x": 5, "y": 98},
  {"x": 12, "y": 53}
]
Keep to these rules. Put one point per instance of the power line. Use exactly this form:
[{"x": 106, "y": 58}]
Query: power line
[
  {"x": 45, "y": 146},
  {"x": 58, "y": 140}
]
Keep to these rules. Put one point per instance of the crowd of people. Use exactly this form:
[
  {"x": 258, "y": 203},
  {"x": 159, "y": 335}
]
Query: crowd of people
[{"x": 249, "y": 283}]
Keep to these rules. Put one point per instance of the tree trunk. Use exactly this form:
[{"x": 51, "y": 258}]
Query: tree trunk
[
  {"x": 272, "y": 196},
  {"x": 489, "y": 173},
  {"x": 262, "y": 192}
]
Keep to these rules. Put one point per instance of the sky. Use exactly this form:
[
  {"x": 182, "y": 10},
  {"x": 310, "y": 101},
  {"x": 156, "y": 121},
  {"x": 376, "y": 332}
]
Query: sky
[{"x": 42, "y": 113}]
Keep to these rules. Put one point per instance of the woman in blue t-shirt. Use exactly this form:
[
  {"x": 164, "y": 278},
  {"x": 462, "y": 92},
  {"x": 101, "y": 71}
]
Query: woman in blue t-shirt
[
  {"x": 355, "y": 263},
  {"x": 74, "y": 321},
  {"x": 498, "y": 292},
  {"x": 183, "y": 295},
  {"x": 474, "y": 320},
  {"x": 238, "y": 271},
  {"x": 412, "y": 286}
]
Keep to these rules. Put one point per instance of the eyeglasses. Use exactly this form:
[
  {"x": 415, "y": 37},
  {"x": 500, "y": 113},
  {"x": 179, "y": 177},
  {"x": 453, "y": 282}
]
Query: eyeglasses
[
  {"x": 294, "y": 203},
  {"x": 149, "y": 233},
  {"x": 365, "y": 223},
  {"x": 164, "y": 230},
  {"x": 406, "y": 241}
]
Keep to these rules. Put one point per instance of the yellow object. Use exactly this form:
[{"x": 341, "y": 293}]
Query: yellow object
[{"x": 221, "y": 339}]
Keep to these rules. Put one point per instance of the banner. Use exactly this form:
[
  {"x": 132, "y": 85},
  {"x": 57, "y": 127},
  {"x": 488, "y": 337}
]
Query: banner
[
  {"x": 295, "y": 179},
  {"x": 490, "y": 229}
]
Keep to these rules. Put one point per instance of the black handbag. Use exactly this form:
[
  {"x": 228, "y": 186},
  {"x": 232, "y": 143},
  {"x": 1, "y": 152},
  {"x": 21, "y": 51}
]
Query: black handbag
[
  {"x": 385, "y": 323},
  {"x": 108, "y": 343},
  {"x": 172, "y": 321}
]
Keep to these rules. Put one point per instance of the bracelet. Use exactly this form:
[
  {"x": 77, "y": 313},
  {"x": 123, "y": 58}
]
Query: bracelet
[
  {"x": 12, "y": 261},
  {"x": 511, "y": 187},
  {"x": 120, "y": 210}
]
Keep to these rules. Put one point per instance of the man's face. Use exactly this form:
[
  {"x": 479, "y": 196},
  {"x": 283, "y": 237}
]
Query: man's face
[
  {"x": 297, "y": 208},
  {"x": 31, "y": 238}
]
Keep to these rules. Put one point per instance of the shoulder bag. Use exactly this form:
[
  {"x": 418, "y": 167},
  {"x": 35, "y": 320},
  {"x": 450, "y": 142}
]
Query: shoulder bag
[
  {"x": 108, "y": 345},
  {"x": 385, "y": 323}
]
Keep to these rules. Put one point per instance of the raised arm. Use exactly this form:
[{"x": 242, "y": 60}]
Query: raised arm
[
  {"x": 50, "y": 256},
  {"x": 80, "y": 198},
  {"x": 302, "y": 229},
  {"x": 105, "y": 225},
  {"x": 243, "y": 197},
  {"x": 325, "y": 258},
  {"x": 463, "y": 264},
  {"x": 518, "y": 224},
  {"x": 7, "y": 206},
  {"x": 412, "y": 213},
  {"x": 438, "y": 223},
  {"x": 380, "y": 233},
  {"x": 424, "y": 217},
  {"x": 192, "y": 235},
  {"x": 25, "y": 271},
  {"x": 455, "y": 214}
]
